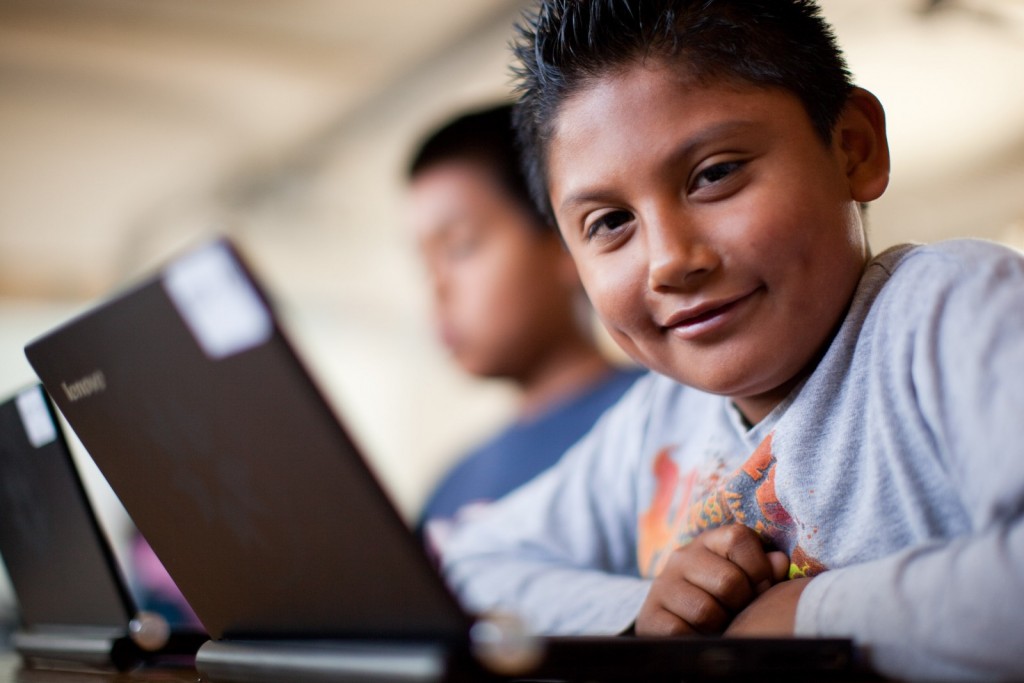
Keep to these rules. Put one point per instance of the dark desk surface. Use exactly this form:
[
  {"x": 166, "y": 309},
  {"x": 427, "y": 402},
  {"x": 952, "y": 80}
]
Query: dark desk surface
[{"x": 11, "y": 671}]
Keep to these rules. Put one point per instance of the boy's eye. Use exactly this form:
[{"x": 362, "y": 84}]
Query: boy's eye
[
  {"x": 460, "y": 246},
  {"x": 607, "y": 223},
  {"x": 715, "y": 173}
]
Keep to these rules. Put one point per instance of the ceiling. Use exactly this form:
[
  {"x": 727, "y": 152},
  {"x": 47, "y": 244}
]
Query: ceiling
[
  {"x": 126, "y": 123},
  {"x": 112, "y": 111}
]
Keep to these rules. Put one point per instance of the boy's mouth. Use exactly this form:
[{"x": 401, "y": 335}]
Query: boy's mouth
[{"x": 697, "y": 320}]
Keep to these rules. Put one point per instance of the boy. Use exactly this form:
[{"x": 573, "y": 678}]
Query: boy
[
  {"x": 841, "y": 420},
  {"x": 508, "y": 303}
]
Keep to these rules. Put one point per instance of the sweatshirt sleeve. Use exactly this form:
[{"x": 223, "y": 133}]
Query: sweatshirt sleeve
[
  {"x": 951, "y": 609},
  {"x": 560, "y": 552}
]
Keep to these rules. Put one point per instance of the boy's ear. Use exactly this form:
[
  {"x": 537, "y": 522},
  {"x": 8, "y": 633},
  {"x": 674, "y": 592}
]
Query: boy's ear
[{"x": 860, "y": 136}]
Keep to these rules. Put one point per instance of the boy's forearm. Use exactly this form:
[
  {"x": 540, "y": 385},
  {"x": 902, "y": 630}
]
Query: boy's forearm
[
  {"x": 947, "y": 611},
  {"x": 559, "y": 583},
  {"x": 550, "y": 601}
]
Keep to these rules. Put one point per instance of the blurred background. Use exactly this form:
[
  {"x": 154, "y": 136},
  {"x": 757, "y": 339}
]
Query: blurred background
[{"x": 130, "y": 129}]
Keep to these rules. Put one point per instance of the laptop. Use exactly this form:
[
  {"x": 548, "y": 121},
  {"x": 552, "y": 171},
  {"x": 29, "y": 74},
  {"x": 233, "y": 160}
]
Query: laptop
[
  {"x": 73, "y": 603},
  {"x": 186, "y": 392}
]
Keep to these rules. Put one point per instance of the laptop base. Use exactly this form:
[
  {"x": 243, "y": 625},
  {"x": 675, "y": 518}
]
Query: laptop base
[
  {"x": 99, "y": 649},
  {"x": 315, "y": 661}
]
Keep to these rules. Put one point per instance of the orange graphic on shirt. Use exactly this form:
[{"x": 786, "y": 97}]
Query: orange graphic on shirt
[
  {"x": 746, "y": 496},
  {"x": 658, "y": 525}
]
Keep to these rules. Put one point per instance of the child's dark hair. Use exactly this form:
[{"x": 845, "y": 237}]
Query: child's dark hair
[
  {"x": 485, "y": 138},
  {"x": 566, "y": 44}
]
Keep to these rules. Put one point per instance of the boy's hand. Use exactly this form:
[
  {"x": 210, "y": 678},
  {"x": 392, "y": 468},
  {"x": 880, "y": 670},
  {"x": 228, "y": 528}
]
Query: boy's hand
[
  {"x": 708, "y": 581},
  {"x": 771, "y": 614}
]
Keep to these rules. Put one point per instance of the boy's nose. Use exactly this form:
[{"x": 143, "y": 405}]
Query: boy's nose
[
  {"x": 678, "y": 257},
  {"x": 438, "y": 279}
]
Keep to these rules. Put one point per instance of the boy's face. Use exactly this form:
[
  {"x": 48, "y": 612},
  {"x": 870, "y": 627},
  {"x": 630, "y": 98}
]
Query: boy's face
[
  {"x": 717, "y": 236},
  {"x": 500, "y": 289}
]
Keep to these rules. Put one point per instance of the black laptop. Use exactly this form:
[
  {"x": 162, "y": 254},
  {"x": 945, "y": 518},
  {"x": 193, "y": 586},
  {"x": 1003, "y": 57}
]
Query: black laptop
[
  {"x": 73, "y": 603},
  {"x": 195, "y": 407}
]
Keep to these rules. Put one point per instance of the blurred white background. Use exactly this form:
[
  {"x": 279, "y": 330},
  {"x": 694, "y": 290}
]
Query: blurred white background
[{"x": 129, "y": 129}]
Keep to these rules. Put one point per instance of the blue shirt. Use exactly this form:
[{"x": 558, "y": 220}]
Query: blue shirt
[{"x": 524, "y": 449}]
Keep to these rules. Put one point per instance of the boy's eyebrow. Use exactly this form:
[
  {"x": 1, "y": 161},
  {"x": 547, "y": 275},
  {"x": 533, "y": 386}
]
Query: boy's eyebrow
[
  {"x": 439, "y": 233},
  {"x": 684, "y": 151}
]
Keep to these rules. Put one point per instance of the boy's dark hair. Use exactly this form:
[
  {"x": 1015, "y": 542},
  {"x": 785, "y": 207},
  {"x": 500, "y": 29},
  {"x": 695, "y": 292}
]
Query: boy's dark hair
[
  {"x": 486, "y": 138},
  {"x": 567, "y": 44}
]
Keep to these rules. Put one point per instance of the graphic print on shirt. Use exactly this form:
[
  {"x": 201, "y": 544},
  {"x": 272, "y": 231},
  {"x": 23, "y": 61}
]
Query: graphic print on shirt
[{"x": 683, "y": 506}]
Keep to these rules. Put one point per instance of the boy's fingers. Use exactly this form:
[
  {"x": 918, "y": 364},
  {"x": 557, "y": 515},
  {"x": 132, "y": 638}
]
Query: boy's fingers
[
  {"x": 707, "y": 581},
  {"x": 780, "y": 570},
  {"x": 713, "y": 575},
  {"x": 701, "y": 612},
  {"x": 724, "y": 581},
  {"x": 743, "y": 547},
  {"x": 682, "y": 610},
  {"x": 663, "y": 623},
  {"x": 780, "y": 565}
]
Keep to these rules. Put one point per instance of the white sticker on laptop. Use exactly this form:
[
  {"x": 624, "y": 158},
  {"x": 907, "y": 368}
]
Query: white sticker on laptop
[
  {"x": 36, "y": 418},
  {"x": 217, "y": 302}
]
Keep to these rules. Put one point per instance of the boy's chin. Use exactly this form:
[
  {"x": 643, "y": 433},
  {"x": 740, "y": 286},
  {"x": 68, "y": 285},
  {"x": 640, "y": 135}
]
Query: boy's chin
[{"x": 755, "y": 404}]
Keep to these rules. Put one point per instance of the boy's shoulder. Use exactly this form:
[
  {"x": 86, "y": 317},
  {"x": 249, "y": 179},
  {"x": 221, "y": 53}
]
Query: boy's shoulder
[
  {"x": 959, "y": 272},
  {"x": 949, "y": 260},
  {"x": 922, "y": 299},
  {"x": 914, "y": 301}
]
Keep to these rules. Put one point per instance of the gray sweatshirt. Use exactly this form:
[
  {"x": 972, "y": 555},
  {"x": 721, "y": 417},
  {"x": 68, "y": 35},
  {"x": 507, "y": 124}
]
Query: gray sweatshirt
[{"x": 894, "y": 476}]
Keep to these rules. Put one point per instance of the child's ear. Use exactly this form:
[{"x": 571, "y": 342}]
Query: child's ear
[{"x": 860, "y": 136}]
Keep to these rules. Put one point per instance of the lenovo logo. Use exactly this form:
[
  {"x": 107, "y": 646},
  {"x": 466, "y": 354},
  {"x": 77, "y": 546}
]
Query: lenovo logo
[{"x": 85, "y": 387}]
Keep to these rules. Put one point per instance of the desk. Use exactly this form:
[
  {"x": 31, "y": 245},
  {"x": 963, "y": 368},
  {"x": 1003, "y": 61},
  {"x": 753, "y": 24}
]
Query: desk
[{"x": 11, "y": 671}]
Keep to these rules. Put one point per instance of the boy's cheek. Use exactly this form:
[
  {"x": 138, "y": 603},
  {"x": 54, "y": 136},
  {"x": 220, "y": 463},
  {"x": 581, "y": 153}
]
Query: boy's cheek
[
  {"x": 627, "y": 339},
  {"x": 622, "y": 312},
  {"x": 628, "y": 347}
]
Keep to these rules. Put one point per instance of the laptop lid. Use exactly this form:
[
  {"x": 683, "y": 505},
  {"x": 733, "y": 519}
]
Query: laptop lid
[
  {"x": 194, "y": 406},
  {"x": 74, "y": 605},
  {"x": 59, "y": 561}
]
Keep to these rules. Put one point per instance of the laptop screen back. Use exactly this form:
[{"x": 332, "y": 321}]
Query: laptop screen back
[
  {"x": 202, "y": 419},
  {"x": 59, "y": 562}
]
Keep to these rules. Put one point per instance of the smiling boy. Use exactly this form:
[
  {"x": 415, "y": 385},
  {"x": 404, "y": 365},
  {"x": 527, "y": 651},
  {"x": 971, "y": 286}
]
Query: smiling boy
[{"x": 831, "y": 446}]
